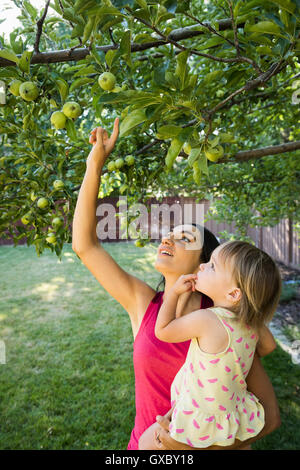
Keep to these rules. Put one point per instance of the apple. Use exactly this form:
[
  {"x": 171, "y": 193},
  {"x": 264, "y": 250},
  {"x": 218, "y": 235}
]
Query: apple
[
  {"x": 139, "y": 243},
  {"x": 129, "y": 159},
  {"x": 58, "y": 184},
  {"x": 58, "y": 119},
  {"x": 15, "y": 87},
  {"x": 28, "y": 91},
  {"x": 57, "y": 222},
  {"x": 42, "y": 202},
  {"x": 72, "y": 109},
  {"x": 214, "y": 153},
  {"x": 107, "y": 81},
  {"x": 119, "y": 163},
  {"x": 111, "y": 166},
  {"x": 220, "y": 93},
  {"x": 116, "y": 89},
  {"x": 51, "y": 238}
]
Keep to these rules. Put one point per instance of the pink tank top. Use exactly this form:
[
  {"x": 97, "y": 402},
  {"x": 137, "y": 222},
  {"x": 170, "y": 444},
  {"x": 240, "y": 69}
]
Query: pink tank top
[{"x": 155, "y": 365}]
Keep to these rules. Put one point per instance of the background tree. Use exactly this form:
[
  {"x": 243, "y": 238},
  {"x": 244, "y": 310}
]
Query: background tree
[{"x": 207, "y": 94}]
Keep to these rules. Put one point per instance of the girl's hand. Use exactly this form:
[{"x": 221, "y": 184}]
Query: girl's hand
[
  {"x": 102, "y": 144},
  {"x": 185, "y": 283}
]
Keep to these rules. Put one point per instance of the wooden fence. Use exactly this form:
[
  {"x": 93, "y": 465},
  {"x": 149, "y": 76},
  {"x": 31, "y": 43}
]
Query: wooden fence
[{"x": 281, "y": 242}]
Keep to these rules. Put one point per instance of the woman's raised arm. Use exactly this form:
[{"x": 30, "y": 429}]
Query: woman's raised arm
[{"x": 132, "y": 293}]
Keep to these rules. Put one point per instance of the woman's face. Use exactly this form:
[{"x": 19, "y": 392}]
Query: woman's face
[{"x": 180, "y": 251}]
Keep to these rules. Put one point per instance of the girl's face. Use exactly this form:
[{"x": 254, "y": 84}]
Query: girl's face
[
  {"x": 180, "y": 251},
  {"x": 215, "y": 279}
]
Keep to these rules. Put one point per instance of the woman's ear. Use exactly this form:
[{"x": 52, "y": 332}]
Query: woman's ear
[{"x": 234, "y": 295}]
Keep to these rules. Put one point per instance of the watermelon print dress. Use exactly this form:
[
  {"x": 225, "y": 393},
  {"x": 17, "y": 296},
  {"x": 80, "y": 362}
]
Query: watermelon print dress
[{"x": 212, "y": 403}]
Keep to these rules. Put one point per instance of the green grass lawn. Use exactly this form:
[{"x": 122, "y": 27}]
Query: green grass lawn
[{"x": 68, "y": 380}]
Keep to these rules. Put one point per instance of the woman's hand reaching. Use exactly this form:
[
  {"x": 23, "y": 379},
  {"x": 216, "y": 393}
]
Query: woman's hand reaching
[{"x": 102, "y": 143}]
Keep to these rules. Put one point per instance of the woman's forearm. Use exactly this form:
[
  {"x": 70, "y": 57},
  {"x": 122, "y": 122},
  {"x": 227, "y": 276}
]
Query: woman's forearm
[
  {"x": 260, "y": 385},
  {"x": 84, "y": 221}
]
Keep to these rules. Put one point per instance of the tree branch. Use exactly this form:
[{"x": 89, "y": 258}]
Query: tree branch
[
  {"x": 39, "y": 24},
  {"x": 236, "y": 42},
  {"x": 261, "y": 79},
  {"x": 209, "y": 27},
  {"x": 79, "y": 54},
  {"x": 168, "y": 38},
  {"x": 245, "y": 155}
]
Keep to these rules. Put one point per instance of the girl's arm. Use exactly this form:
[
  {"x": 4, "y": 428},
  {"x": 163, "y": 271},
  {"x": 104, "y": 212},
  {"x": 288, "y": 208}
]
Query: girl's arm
[{"x": 174, "y": 330}]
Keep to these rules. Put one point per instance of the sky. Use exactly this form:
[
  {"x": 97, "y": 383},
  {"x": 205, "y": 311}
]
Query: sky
[{"x": 11, "y": 22}]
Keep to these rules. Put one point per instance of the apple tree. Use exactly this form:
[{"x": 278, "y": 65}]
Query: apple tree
[{"x": 207, "y": 94}]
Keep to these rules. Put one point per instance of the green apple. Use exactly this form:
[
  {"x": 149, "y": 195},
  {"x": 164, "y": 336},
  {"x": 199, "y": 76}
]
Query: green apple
[
  {"x": 107, "y": 81},
  {"x": 58, "y": 184},
  {"x": 129, "y": 159},
  {"x": 111, "y": 166},
  {"x": 57, "y": 222},
  {"x": 116, "y": 89},
  {"x": 42, "y": 202},
  {"x": 15, "y": 87},
  {"x": 140, "y": 243},
  {"x": 119, "y": 163},
  {"x": 72, "y": 109},
  {"x": 28, "y": 91},
  {"x": 214, "y": 153},
  {"x": 220, "y": 93},
  {"x": 58, "y": 119},
  {"x": 51, "y": 238}
]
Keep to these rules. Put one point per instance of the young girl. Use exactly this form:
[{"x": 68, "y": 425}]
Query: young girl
[{"x": 209, "y": 398}]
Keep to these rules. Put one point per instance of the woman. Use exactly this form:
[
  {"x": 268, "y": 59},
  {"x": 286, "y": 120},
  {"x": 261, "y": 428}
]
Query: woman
[{"x": 155, "y": 366}]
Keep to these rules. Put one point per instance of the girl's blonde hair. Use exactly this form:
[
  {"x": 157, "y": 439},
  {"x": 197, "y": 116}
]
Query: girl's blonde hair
[{"x": 258, "y": 277}]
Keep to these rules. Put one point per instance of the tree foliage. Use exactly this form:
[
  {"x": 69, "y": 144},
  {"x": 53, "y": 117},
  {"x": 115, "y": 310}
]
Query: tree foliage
[{"x": 193, "y": 78}]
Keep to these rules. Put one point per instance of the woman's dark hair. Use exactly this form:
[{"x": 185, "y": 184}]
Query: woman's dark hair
[{"x": 209, "y": 244}]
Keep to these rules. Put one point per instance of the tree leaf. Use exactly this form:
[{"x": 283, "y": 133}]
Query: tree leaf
[
  {"x": 193, "y": 156},
  {"x": 24, "y": 62},
  {"x": 285, "y": 4},
  {"x": 168, "y": 132},
  {"x": 265, "y": 27},
  {"x": 110, "y": 56},
  {"x": 182, "y": 68},
  {"x": 30, "y": 9},
  {"x": 173, "y": 151},
  {"x": 125, "y": 47},
  {"x": 81, "y": 81},
  {"x": 71, "y": 130},
  {"x": 132, "y": 120},
  {"x": 9, "y": 55},
  {"x": 63, "y": 88},
  {"x": 85, "y": 71}
]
